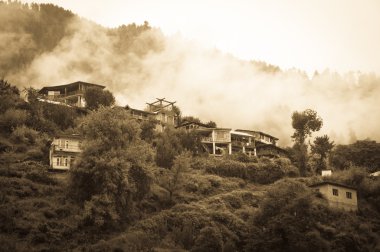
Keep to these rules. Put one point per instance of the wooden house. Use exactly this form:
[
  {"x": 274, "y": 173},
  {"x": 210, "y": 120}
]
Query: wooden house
[
  {"x": 68, "y": 94},
  {"x": 63, "y": 151}
]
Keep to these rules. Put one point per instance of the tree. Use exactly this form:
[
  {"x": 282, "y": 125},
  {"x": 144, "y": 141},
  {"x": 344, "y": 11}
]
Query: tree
[
  {"x": 365, "y": 153},
  {"x": 322, "y": 146},
  {"x": 9, "y": 95},
  {"x": 174, "y": 179},
  {"x": 148, "y": 129},
  {"x": 177, "y": 113},
  {"x": 304, "y": 123},
  {"x": 211, "y": 124},
  {"x": 96, "y": 97},
  {"x": 168, "y": 146},
  {"x": 102, "y": 177}
]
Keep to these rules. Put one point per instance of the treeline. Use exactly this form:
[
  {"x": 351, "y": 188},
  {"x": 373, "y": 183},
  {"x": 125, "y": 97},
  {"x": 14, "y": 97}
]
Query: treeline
[{"x": 29, "y": 30}]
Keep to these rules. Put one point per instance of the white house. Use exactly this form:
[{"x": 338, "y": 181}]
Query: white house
[{"x": 63, "y": 151}]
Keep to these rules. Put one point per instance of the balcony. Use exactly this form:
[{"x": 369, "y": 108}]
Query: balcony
[{"x": 69, "y": 148}]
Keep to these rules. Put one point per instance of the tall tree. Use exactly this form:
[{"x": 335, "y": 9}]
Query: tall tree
[
  {"x": 322, "y": 146},
  {"x": 102, "y": 176},
  {"x": 304, "y": 123}
]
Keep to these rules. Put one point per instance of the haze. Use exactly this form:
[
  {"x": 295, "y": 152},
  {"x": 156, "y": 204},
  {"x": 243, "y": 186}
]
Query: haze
[
  {"x": 341, "y": 35},
  {"x": 204, "y": 63}
]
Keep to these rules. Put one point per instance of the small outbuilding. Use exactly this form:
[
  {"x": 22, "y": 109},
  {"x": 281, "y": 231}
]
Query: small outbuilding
[{"x": 338, "y": 195}]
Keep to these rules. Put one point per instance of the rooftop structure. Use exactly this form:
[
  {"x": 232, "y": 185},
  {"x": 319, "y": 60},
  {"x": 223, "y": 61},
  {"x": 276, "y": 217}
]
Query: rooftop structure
[{"x": 165, "y": 113}]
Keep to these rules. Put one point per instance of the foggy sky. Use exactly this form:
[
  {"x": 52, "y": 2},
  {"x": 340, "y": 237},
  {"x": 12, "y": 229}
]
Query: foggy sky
[
  {"x": 212, "y": 84},
  {"x": 342, "y": 35}
]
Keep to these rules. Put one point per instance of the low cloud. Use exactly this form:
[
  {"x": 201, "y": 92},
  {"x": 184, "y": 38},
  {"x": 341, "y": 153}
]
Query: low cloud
[{"x": 209, "y": 84}]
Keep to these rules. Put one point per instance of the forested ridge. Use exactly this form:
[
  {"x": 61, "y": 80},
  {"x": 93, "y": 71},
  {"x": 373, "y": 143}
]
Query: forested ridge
[{"x": 134, "y": 189}]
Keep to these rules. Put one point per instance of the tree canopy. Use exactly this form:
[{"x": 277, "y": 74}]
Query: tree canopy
[
  {"x": 96, "y": 97},
  {"x": 102, "y": 175},
  {"x": 304, "y": 123}
]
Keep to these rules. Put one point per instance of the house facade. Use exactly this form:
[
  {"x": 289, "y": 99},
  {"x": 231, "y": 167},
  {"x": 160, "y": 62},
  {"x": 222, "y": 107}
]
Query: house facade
[
  {"x": 69, "y": 94},
  {"x": 265, "y": 145},
  {"x": 140, "y": 115},
  {"x": 338, "y": 195},
  {"x": 217, "y": 141},
  {"x": 63, "y": 151},
  {"x": 243, "y": 142}
]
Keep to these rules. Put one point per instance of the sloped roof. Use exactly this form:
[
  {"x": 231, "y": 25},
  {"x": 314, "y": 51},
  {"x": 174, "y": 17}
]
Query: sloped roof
[
  {"x": 332, "y": 183},
  {"x": 54, "y": 88},
  {"x": 255, "y": 131}
]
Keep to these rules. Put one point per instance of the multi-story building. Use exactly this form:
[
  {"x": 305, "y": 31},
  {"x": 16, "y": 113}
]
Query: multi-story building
[
  {"x": 338, "y": 195},
  {"x": 243, "y": 142},
  {"x": 63, "y": 151},
  {"x": 68, "y": 94},
  {"x": 265, "y": 144},
  {"x": 217, "y": 141}
]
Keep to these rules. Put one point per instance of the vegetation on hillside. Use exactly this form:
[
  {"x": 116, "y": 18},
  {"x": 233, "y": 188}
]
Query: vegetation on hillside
[{"x": 132, "y": 189}]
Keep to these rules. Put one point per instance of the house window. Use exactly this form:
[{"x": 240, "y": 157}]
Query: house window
[
  {"x": 66, "y": 144},
  {"x": 335, "y": 192},
  {"x": 58, "y": 161},
  {"x": 349, "y": 195},
  {"x": 66, "y": 162}
]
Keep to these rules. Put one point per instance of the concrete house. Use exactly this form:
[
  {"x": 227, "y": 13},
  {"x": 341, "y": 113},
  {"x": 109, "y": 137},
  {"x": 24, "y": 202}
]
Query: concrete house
[
  {"x": 217, "y": 141},
  {"x": 68, "y": 94},
  {"x": 338, "y": 195},
  {"x": 63, "y": 151},
  {"x": 265, "y": 145},
  {"x": 243, "y": 142}
]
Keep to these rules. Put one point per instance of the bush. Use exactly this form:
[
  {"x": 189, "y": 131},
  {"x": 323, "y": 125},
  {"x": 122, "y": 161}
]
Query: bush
[
  {"x": 12, "y": 118},
  {"x": 23, "y": 134},
  {"x": 41, "y": 177},
  {"x": 223, "y": 167}
]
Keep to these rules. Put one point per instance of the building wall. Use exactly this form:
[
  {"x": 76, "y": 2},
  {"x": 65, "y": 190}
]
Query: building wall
[
  {"x": 340, "y": 200},
  {"x": 63, "y": 151},
  {"x": 61, "y": 161},
  {"x": 67, "y": 144}
]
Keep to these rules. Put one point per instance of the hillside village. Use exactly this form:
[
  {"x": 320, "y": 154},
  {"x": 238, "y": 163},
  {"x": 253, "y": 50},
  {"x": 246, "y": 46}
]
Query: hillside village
[
  {"x": 78, "y": 172},
  {"x": 176, "y": 169},
  {"x": 216, "y": 141}
]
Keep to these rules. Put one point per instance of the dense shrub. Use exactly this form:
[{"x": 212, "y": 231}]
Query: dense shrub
[
  {"x": 12, "y": 118},
  {"x": 23, "y": 134},
  {"x": 264, "y": 171},
  {"x": 223, "y": 167},
  {"x": 41, "y": 177}
]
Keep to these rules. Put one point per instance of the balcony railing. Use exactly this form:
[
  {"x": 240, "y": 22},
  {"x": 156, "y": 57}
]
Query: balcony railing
[{"x": 69, "y": 148}]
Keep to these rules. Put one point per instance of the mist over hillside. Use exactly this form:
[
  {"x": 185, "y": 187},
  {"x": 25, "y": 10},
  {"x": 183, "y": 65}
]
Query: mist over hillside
[{"x": 46, "y": 45}]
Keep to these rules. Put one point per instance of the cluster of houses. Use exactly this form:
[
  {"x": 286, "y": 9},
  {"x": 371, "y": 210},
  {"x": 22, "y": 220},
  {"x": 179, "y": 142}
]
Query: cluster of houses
[{"x": 216, "y": 141}]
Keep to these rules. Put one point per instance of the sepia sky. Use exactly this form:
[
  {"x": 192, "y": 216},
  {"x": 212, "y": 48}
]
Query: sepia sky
[{"x": 342, "y": 35}]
